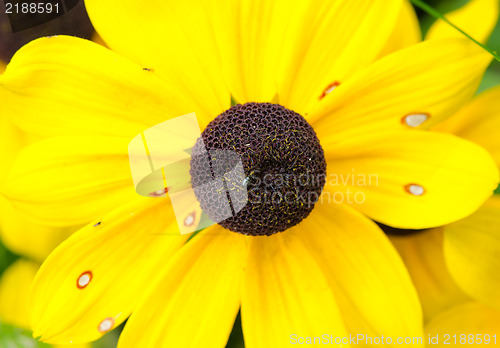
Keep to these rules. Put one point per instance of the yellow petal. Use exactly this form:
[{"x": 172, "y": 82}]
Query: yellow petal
[
  {"x": 470, "y": 321},
  {"x": 188, "y": 211},
  {"x": 180, "y": 44},
  {"x": 372, "y": 286},
  {"x": 70, "y": 180},
  {"x": 332, "y": 42},
  {"x": 433, "y": 79},
  {"x": 15, "y": 285},
  {"x": 249, "y": 35},
  {"x": 65, "y": 85},
  {"x": 92, "y": 282},
  {"x": 422, "y": 253},
  {"x": 11, "y": 139},
  {"x": 478, "y": 121},
  {"x": 477, "y": 18},
  {"x": 15, "y": 231},
  {"x": 407, "y": 31},
  {"x": 197, "y": 298},
  {"x": 411, "y": 180},
  {"x": 285, "y": 295},
  {"x": 471, "y": 248}
]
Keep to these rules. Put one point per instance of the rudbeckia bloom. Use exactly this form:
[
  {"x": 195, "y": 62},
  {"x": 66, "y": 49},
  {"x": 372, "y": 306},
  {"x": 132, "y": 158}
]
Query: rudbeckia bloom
[{"x": 332, "y": 272}]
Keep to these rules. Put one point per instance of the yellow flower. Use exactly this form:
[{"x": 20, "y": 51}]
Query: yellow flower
[
  {"x": 335, "y": 273},
  {"x": 467, "y": 323},
  {"x": 15, "y": 284},
  {"x": 32, "y": 241},
  {"x": 20, "y": 235},
  {"x": 15, "y": 229},
  {"x": 458, "y": 263}
]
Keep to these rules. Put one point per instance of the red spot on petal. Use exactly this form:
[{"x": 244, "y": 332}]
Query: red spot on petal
[
  {"x": 84, "y": 280},
  {"x": 405, "y": 122},
  {"x": 106, "y": 325},
  {"x": 415, "y": 189},
  {"x": 159, "y": 193},
  {"x": 329, "y": 89},
  {"x": 190, "y": 219}
]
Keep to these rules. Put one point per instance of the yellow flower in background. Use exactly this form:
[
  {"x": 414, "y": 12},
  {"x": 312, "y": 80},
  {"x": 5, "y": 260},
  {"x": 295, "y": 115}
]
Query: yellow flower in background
[
  {"x": 472, "y": 245},
  {"x": 454, "y": 268},
  {"x": 21, "y": 236},
  {"x": 28, "y": 239},
  {"x": 458, "y": 263},
  {"x": 447, "y": 308},
  {"x": 468, "y": 323},
  {"x": 335, "y": 272},
  {"x": 15, "y": 285}
]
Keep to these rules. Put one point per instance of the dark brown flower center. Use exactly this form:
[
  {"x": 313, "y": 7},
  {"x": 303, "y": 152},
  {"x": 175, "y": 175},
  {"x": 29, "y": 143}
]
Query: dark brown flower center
[{"x": 282, "y": 169}]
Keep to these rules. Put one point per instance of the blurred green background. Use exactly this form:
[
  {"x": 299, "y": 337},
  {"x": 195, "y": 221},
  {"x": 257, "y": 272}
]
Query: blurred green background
[{"x": 13, "y": 337}]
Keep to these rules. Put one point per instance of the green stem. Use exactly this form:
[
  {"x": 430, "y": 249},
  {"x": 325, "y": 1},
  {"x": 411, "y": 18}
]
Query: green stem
[{"x": 430, "y": 10}]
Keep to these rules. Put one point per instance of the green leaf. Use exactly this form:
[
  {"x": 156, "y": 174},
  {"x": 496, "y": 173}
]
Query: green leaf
[
  {"x": 442, "y": 6},
  {"x": 497, "y": 191},
  {"x": 491, "y": 77},
  {"x": 109, "y": 340},
  {"x": 233, "y": 101},
  {"x": 6, "y": 258},
  {"x": 236, "y": 337}
]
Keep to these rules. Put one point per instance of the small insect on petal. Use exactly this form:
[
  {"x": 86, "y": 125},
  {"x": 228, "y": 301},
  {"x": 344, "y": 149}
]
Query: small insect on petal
[
  {"x": 189, "y": 220},
  {"x": 84, "y": 280},
  {"x": 329, "y": 89},
  {"x": 147, "y": 69},
  {"x": 415, "y": 189},
  {"x": 106, "y": 325},
  {"x": 415, "y": 120},
  {"x": 97, "y": 224}
]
